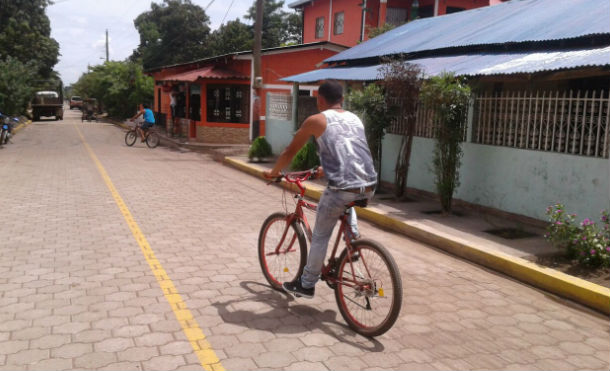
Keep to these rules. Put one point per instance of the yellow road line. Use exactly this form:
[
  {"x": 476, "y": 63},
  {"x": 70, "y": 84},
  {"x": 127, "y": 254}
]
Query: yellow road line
[{"x": 191, "y": 328}]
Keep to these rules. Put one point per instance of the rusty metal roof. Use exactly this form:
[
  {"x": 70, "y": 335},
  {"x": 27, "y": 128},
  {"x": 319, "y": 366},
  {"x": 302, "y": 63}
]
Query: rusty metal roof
[{"x": 506, "y": 24}]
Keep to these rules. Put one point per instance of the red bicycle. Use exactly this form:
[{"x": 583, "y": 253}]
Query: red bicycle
[{"x": 364, "y": 276}]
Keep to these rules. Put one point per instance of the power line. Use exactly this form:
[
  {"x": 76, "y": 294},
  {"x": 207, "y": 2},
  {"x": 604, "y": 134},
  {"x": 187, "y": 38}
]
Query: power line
[
  {"x": 206, "y": 8},
  {"x": 223, "y": 18}
]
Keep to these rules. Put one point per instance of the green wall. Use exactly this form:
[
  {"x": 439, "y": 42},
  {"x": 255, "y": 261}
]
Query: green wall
[{"x": 515, "y": 180}]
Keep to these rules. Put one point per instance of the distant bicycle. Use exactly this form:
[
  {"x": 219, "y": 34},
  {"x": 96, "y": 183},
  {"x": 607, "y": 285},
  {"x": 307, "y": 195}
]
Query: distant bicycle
[{"x": 150, "y": 136}]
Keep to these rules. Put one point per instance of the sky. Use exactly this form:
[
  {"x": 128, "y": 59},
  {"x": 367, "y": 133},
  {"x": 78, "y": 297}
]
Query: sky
[{"x": 79, "y": 26}]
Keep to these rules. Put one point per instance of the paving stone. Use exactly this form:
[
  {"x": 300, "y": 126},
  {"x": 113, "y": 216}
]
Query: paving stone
[
  {"x": 154, "y": 339},
  {"x": 306, "y": 366},
  {"x": 113, "y": 345},
  {"x": 92, "y": 336},
  {"x": 138, "y": 354},
  {"x": 26, "y": 357},
  {"x": 123, "y": 366},
  {"x": 163, "y": 363},
  {"x": 72, "y": 350},
  {"x": 274, "y": 360},
  {"x": 13, "y": 346},
  {"x": 51, "y": 364},
  {"x": 50, "y": 341},
  {"x": 95, "y": 360}
]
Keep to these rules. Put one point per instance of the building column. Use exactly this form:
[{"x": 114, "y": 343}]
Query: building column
[{"x": 383, "y": 8}]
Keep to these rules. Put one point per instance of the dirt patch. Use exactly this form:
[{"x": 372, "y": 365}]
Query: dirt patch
[{"x": 561, "y": 263}]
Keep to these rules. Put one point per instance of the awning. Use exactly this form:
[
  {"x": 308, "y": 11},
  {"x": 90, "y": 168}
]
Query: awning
[
  {"x": 473, "y": 65},
  {"x": 210, "y": 72}
]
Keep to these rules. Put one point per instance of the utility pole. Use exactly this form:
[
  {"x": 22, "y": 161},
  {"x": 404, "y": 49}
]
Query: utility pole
[
  {"x": 257, "y": 81},
  {"x": 106, "y": 45}
]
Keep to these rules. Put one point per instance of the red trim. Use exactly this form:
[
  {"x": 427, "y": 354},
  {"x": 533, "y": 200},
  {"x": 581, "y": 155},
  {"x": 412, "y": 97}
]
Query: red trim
[{"x": 223, "y": 125}]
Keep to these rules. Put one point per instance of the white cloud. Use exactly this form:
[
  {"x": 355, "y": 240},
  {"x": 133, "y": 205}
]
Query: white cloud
[{"x": 78, "y": 24}]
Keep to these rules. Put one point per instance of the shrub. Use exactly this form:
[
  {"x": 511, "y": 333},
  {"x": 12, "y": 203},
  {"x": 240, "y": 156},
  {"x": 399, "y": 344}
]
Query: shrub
[
  {"x": 260, "y": 149},
  {"x": 306, "y": 158},
  {"x": 448, "y": 95},
  {"x": 587, "y": 242}
]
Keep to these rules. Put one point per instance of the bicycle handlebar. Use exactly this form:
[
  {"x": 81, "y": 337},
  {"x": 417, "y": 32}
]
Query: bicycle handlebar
[{"x": 297, "y": 177}]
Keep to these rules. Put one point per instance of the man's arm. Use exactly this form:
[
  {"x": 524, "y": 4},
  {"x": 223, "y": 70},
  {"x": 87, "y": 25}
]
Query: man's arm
[
  {"x": 313, "y": 126},
  {"x": 137, "y": 115}
]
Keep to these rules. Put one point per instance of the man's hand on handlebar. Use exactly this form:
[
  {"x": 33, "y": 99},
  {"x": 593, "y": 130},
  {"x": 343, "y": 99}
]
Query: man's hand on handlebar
[{"x": 269, "y": 174}]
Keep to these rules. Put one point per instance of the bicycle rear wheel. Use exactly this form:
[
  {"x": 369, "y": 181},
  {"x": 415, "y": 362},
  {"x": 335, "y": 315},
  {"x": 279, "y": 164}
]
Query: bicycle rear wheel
[
  {"x": 152, "y": 139},
  {"x": 130, "y": 137},
  {"x": 371, "y": 306},
  {"x": 281, "y": 262}
]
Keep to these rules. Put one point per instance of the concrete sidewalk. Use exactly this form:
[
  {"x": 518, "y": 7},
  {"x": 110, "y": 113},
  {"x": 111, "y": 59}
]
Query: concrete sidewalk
[{"x": 465, "y": 237}]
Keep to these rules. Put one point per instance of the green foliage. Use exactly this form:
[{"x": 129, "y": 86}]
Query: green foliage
[
  {"x": 279, "y": 27},
  {"x": 118, "y": 86},
  {"x": 173, "y": 32},
  {"x": 371, "y": 102},
  {"x": 306, "y": 158},
  {"x": 16, "y": 80},
  {"x": 25, "y": 35},
  {"x": 259, "y": 149},
  {"x": 588, "y": 242},
  {"x": 448, "y": 96},
  {"x": 231, "y": 37},
  {"x": 376, "y": 31}
]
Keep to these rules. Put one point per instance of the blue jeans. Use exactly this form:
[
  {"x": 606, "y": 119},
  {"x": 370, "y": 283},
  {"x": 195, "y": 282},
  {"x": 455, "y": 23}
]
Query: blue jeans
[{"x": 330, "y": 208}]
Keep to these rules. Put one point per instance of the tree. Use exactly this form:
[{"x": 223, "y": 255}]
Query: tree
[
  {"x": 231, "y": 37},
  {"x": 16, "y": 80},
  {"x": 403, "y": 81},
  {"x": 25, "y": 35},
  {"x": 376, "y": 31},
  {"x": 279, "y": 27},
  {"x": 173, "y": 32},
  {"x": 449, "y": 96},
  {"x": 118, "y": 86}
]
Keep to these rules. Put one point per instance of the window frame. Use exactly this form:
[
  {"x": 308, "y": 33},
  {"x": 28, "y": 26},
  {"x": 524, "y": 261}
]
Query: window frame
[
  {"x": 319, "y": 34},
  {"x": 335, "y": 32}
]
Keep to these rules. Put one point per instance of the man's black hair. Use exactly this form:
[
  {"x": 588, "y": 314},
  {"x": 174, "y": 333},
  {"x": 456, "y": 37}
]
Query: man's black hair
[
  {"x": 146, "y": 105},
  {"x": 332, "y": 91}
]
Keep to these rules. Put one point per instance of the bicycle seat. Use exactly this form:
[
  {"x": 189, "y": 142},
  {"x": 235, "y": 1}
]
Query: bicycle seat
[{"x": 360, "y": 203}]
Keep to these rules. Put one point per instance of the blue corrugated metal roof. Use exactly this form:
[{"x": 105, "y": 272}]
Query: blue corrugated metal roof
[
  {"x": 473, "y": 65},
  {"x": 511, "y": 22},
  {"x": 298, "y": 3}
]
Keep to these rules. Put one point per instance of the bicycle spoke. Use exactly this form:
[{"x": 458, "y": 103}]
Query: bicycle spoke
[{"x": 366, "y": 294}]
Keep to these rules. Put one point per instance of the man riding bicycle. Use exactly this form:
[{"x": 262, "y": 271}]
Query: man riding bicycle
[
  {"x": 348, "y": 165},
  {"x": 149, "y": 119}
]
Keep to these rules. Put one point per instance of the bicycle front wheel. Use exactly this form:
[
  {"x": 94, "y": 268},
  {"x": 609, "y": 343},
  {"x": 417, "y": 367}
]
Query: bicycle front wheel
[
  {"x": 152, "y": 140},
  {"x": 130, "y": 137},
  {"x": 369, "y": 288},
  {"x": 282, "y": 250}
]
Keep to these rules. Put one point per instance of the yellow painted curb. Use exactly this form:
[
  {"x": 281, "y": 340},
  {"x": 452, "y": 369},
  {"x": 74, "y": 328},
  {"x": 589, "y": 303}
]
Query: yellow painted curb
[
  {"x": 551, "y": 280},
  {"x": 18, "y": 128}
]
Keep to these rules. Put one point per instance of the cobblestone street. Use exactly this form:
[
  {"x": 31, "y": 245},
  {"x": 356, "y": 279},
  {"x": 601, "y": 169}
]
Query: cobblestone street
[{"x": 77, "y": 292}]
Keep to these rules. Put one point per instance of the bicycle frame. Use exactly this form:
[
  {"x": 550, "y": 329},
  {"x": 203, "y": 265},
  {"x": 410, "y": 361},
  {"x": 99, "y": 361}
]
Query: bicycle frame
[{"x": 344, "y": 231}]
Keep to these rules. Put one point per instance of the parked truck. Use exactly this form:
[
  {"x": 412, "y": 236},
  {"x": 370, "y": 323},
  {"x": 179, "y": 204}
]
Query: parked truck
[{"x": 48, "y": 102}]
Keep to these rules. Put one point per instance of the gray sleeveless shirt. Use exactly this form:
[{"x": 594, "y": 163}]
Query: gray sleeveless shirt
[{"x": 344, "y": 152}]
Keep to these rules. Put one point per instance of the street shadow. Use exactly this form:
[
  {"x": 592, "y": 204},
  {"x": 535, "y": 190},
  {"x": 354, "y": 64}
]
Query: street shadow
[{"x": 280, "y": 303}]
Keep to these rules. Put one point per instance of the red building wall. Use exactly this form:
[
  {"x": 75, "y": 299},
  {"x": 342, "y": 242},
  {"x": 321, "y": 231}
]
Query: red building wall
[{"x": 353, "y": 16}]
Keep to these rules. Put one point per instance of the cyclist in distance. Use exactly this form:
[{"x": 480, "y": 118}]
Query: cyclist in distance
[
  {"x": 347, "y": 163},
  {"x": 149, "y": 119}
]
